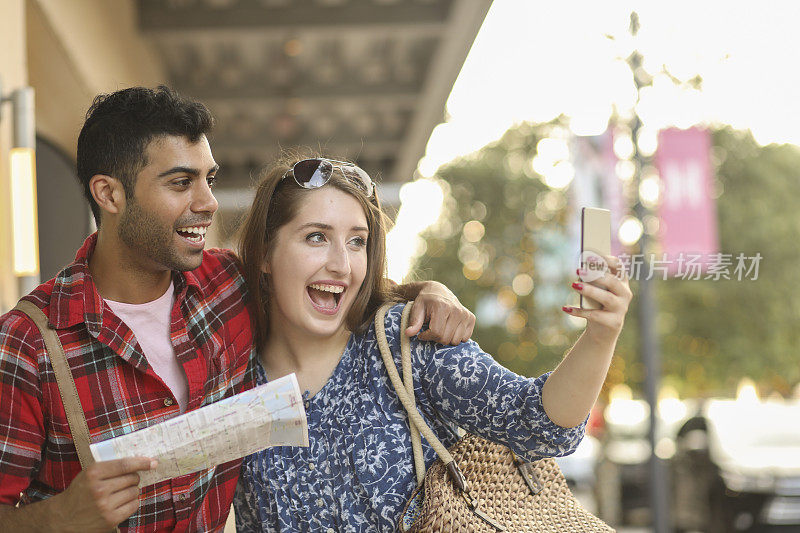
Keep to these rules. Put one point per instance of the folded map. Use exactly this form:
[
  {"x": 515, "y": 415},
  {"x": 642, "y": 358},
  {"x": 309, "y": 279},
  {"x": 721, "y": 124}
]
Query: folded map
[{"x": 268, "y": 415}]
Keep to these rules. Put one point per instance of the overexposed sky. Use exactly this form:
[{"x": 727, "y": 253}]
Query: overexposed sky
[{"x": 533, "y": 60}]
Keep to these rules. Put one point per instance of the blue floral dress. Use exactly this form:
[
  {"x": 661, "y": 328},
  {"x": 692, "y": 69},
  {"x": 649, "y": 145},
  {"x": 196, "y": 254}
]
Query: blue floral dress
[{"x": 357, "y": 473}]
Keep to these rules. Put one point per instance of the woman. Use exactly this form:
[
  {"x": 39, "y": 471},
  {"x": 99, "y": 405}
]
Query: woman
[{"x": 313, "y": 249}]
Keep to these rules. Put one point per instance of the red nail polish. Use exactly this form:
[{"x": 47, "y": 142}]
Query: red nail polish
[
  {"x": 567, "y": 309},
  {"x": 578, "y": 286}
]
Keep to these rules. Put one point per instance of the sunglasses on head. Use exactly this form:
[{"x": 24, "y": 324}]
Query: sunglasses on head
[{"x": 314, "y": 173}]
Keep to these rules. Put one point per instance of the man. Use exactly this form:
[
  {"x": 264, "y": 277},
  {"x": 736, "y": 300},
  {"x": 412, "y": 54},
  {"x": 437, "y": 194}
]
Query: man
[{"x": 152, "y": 325}]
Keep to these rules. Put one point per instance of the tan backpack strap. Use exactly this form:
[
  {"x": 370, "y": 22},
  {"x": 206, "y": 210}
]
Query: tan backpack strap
[
  {"x": 64, "y": 379},
  {"x": 402, "y": 393}
]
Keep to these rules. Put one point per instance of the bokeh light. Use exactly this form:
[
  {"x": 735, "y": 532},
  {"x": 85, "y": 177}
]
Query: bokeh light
[{"x": 630, "y": 231}]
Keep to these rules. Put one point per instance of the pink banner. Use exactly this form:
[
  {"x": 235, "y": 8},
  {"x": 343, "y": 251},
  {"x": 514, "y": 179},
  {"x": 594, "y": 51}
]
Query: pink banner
[
  {"x": 688, "y": 215},
  {"x": 596, "y": 183}
]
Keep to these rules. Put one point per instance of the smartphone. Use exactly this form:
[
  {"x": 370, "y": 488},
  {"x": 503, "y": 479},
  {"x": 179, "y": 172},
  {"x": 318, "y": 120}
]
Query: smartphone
[{"x": 595, "y": 244}]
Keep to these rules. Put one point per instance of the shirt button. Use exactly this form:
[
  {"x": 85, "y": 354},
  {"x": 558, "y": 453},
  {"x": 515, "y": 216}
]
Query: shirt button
[
  {"x": 182, "y": 498},
  {"x": 320, "y": 502},
  {"x": 168, "y": 402},
  {"x": 311, "y": 466},
  {"x": 330, "y": 530}
]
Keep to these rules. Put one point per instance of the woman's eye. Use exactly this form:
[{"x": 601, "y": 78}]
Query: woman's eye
[{"x": 358, "y": 241}]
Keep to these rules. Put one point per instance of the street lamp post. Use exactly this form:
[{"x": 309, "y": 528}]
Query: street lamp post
[{"x": 659, "y": 495}]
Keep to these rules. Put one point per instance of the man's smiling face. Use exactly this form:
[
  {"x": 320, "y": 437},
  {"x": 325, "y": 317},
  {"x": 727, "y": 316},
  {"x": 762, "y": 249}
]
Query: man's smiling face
[{"x": 165, "y": 220}]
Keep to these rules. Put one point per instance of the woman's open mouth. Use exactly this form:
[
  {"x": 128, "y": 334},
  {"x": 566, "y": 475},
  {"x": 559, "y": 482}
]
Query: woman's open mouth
[{"x": 325, "y": 297}]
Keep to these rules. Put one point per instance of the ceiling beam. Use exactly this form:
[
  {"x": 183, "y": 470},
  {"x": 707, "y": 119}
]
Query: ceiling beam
[
  {"x": 252, "y": 91},
  {"x": 177, "y": 35},
  {"x": 161, "y": 14},
  {"x": 457, "y": 39}
]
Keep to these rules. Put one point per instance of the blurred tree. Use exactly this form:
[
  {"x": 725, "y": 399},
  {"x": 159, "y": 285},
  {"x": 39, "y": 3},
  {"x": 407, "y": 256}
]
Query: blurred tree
[
  {"x": 484, "y": 244},
  {"x": 500, "y": 220},
  {"x": 715, "y": 332}
]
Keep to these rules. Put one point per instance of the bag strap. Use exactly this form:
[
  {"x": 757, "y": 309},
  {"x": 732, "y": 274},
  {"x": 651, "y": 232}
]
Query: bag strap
[
  {"x": 402, "y": 388},
  {"x": 408, "y": 383},
  {"x": 64, "y": 380}
]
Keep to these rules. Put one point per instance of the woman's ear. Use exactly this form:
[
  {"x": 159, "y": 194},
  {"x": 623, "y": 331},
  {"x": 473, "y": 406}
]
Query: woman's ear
[
  {"x": 108, "y": 193},
  {"x": 265, "y": 266}
]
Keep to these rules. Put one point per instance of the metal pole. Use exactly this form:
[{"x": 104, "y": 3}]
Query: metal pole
[{"x": 651, "y": 357}]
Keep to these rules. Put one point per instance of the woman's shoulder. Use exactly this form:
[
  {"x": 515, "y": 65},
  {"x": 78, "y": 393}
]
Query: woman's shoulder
[
  {"x": 368, "y": 339},
  {"x": 392, "y": 323},
  {"x": 393, "y": 316},
  {"x": 391, "y": 320}
]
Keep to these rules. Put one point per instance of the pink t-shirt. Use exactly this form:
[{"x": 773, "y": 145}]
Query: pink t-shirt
[{"x": 150, "y": 323}]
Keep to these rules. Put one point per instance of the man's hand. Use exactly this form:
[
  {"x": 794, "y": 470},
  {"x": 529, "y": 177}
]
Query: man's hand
[
  {"x": 449, "y": 322},
  {"x": 102, "y": 496}
]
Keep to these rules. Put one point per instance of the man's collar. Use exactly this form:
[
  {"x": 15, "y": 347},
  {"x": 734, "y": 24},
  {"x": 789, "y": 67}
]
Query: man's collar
[
  {"x": 75, "y": 298},
  {"x": 190, "y": 279}
]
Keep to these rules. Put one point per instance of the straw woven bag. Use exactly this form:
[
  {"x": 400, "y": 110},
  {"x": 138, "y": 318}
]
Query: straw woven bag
[{"x": 478, "y": 486}]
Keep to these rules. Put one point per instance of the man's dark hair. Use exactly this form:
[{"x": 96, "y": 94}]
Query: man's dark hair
[{"x": 119, "y": 127}]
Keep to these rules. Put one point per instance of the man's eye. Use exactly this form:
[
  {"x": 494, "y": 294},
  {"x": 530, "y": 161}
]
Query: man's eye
[
  {"x": 315, "y": 237},
  {"x": 211, "y": 180},
  {"x": 182, "y": 182}
]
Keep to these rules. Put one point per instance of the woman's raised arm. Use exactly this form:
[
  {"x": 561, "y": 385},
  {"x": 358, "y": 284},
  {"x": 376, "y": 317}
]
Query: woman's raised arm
[{"x": 573, "y": 387}]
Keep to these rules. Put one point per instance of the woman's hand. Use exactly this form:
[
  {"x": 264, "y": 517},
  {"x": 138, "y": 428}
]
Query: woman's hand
[
  {"x": 449, "y": 322},
  {"x": 612, "y": 291}
]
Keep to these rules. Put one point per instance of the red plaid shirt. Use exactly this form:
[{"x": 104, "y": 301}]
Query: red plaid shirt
[{"x": 119, "y": 391}]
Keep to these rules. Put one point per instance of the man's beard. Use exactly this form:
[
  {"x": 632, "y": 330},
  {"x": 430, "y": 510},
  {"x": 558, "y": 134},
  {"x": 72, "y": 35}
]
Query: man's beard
[{"x": 143, "y": 233}]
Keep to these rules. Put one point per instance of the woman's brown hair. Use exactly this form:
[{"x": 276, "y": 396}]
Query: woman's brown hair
[{"x": 275, "y": 204}]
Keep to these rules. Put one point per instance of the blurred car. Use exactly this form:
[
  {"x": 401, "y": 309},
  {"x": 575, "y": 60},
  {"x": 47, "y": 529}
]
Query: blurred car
[
  {"x": 579, "y": 466},
  {"x": 736, "y": 468},
  {"x": 622, "y": 491}
]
